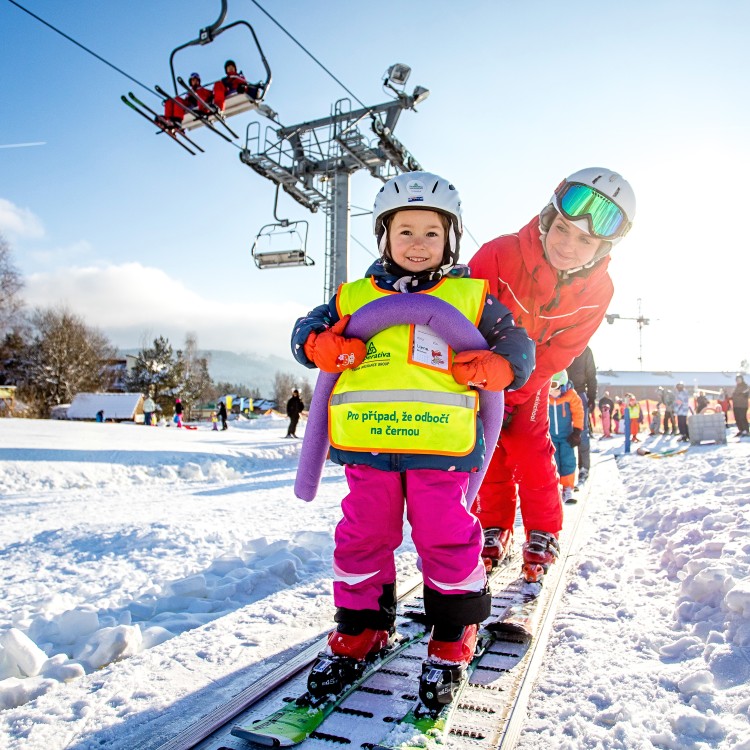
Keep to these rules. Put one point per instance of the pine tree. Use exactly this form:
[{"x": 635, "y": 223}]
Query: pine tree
[
  {"x": 196, "y": 380},
  {"x": 158, "y": 371}
]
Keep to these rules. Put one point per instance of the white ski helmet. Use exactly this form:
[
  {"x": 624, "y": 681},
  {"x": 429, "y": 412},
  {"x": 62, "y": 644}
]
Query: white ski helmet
[
  {"x": 598, "y": 201},
  {"x": 559, "y": 380},
  {"x": 425, "y": 191}
]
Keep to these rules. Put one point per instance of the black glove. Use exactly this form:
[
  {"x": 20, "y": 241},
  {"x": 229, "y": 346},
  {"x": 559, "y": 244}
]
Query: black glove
[{"x": 574, "y": 439}]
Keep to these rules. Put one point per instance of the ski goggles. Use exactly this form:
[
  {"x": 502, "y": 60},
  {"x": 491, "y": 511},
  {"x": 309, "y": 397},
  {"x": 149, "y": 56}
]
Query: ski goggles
[{"x": 606, "y": 219}]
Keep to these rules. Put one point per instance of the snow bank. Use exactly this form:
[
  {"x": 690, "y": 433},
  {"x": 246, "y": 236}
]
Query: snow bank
[{"x": 650, "y": 648}]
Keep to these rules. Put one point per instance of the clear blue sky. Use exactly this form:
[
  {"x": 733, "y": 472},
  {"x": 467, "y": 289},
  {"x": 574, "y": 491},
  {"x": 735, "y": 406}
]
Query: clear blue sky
[{"x": 142, "y": 239}]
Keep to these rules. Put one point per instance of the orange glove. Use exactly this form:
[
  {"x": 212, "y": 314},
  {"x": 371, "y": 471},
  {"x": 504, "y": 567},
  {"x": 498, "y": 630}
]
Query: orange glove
[
  {"x": 482, "y": 369},
  {"x": 332, "y": 352}
]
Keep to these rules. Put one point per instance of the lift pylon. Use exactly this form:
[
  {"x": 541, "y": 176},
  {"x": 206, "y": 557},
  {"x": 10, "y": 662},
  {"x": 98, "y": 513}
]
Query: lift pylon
[{"x": 314, "y": 160}]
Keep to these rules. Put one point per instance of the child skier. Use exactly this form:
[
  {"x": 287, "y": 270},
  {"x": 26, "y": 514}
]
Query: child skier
[
  {"x": 653, "y": 427},
  {"x": 565, "y": 427},
  {"x": 404, "y": 375},
  {"x": 636, "y": 416}
]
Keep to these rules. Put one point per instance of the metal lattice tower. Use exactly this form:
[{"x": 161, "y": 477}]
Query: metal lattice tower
[{"x": 313, "y": 163}]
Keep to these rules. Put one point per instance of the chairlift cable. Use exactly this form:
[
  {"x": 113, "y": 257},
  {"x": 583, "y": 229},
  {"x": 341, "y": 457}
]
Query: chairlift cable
[
  {"x": 466, "y": 229},
  {"x": 309, "y": 54},
  {"x": 364, "y": 247},
  {"x": 94, "y": 54},
  {"x": 83, "y": 47}
]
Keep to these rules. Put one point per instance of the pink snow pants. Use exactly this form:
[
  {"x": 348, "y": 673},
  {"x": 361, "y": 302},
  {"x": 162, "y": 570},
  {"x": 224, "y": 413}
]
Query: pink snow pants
[{"x": 446, "y": 535}]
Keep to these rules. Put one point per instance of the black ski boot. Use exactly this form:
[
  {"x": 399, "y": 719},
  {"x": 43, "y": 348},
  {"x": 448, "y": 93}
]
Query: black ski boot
[
  {"x": 350, "y": 649},
  {"x": 448, "y": 654}
]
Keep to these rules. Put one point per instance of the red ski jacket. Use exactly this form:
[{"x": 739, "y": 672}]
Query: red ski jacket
[{"x": 559, "y": 314}]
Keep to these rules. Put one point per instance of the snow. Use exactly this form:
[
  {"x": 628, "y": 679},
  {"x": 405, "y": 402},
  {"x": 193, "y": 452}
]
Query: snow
[{"x": 147, "y": 572}]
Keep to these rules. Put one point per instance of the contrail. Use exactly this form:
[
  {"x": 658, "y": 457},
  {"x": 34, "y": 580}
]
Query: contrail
[{"x": 23, "y": 145}]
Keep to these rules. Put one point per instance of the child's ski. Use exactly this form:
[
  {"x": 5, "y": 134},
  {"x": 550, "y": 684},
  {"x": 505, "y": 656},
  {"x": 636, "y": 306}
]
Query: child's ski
[
  {"x": 423, "y": 729},
  {"x": 297, "y": 720}
]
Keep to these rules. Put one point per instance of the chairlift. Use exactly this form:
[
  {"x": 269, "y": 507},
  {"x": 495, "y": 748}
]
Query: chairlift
[
  {"x": 282, "y": 244},
  {"x": 235, "y": 103}
]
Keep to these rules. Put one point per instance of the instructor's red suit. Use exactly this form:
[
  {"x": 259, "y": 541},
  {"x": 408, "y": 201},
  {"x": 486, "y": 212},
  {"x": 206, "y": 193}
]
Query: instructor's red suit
[{"x": 560, "y": 316}]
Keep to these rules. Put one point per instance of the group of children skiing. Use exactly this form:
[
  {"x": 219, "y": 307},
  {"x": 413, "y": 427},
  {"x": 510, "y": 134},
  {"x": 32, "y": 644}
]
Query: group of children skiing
[{"x": 536, "y": 297}]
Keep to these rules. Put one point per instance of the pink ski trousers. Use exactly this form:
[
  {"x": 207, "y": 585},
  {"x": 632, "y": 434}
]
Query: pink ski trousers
[{"x": 448, "y": 538}]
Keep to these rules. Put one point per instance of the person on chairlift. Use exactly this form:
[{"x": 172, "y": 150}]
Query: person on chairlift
[
  {"x": 174, "y": 113},
  {"x": 233, "y": 83}
]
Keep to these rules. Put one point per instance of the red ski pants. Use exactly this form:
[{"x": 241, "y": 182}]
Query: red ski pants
[
  {"x": 523, "y": 465},
  {"x": 447, "y": 536}
]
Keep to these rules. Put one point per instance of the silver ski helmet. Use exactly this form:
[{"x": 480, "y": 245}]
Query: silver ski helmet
[
  {"x": 597, "y": 201},
  {"x": 425, "y": 191}
]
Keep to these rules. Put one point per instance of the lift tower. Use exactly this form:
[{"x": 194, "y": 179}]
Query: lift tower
[{"x": 314, "y": 160}]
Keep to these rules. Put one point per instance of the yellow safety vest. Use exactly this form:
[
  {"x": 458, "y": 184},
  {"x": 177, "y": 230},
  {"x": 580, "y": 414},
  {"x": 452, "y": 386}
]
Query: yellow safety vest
[{"x": 403, "y": 398}]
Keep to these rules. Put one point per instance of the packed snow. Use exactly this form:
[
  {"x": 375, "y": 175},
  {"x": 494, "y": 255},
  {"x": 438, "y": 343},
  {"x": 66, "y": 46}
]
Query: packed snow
[{"x": 150, "y": 573}]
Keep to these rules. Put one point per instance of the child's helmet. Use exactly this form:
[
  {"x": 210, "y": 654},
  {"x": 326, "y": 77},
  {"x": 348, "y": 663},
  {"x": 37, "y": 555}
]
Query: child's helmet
[
  {"x": 228, "y": 63},
  {"x": 420, "y": 190},
  {"x": 596, "y": 200},
  {"x": 559, "y": 380},
  {"x": 194, "y": 75}
]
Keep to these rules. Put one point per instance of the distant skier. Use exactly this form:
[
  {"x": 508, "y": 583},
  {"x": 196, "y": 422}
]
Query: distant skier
[
  {"x": 740, "y": 404},
  {"x": 178, "y": 412},
  {"x": 566, "y": 423},
  {"x": 388, "y": 423},
  {"x": 606, "y": 406},
  {"x": 223, "y": 414},
  {"x": 294, "y": 407},
  {"x": 682, "y": 409},
  {"x": 666, "y": 397}
]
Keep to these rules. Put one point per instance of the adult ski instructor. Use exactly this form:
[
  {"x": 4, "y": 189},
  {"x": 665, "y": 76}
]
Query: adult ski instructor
[{"x": 552, "y": 275}]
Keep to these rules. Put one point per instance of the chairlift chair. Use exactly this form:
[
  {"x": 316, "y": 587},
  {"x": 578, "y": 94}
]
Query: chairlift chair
[
  {"x": 236, "y": 103},
  {"x": 282, "y": 245}
]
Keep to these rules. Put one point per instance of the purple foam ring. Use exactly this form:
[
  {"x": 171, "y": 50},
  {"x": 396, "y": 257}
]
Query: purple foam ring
[{"x": 391, "y": 310}]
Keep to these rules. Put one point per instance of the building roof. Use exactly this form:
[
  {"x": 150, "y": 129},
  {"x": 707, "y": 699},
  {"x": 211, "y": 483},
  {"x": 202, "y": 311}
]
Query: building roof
[
  {"x": 114, "y": 405},
  {"x": 644, "y": 379}
]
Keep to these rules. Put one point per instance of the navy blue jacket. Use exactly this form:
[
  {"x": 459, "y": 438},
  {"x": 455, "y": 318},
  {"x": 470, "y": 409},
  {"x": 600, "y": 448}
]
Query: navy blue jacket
[{"x": 502, "y": 336}]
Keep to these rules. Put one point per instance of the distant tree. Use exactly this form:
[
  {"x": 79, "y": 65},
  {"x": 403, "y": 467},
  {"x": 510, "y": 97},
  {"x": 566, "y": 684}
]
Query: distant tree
[
  {"x": 11, "y": 284},
  {"x": 196, "y": 382},
  {"x": 306, "y": 393},
  {"x": 283, "y": 385},
  {"x": 744, "y": 365},
  {"x": 158, "y": 371},
  {"x": 224, "y": 387},
  {"x": 14, "y": 354},
  {"x": 65, "y": 357}
]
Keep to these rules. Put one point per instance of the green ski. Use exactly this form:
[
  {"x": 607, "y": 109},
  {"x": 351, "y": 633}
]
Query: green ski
[
  {"x": 421, "y": 729},
  {"x": 297, "y": 720}
]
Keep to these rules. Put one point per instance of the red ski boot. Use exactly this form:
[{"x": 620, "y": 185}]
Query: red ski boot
[
  {"x": 344, "y": 659},
  {"x": 452, "y": 645},
  {"x": 539, "y": 552},
  {"x": 448, "y": 654},
  {"x": 356, "y": 643},
  {"x": 498, "y": 544}
]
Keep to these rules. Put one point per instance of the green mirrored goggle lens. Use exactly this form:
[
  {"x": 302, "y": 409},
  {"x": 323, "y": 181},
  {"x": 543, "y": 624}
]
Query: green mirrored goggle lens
[{"x": 581, "y": 201}]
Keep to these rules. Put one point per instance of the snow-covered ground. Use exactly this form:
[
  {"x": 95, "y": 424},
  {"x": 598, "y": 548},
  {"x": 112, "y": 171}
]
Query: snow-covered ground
[{"x": 148, "y": 573}]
